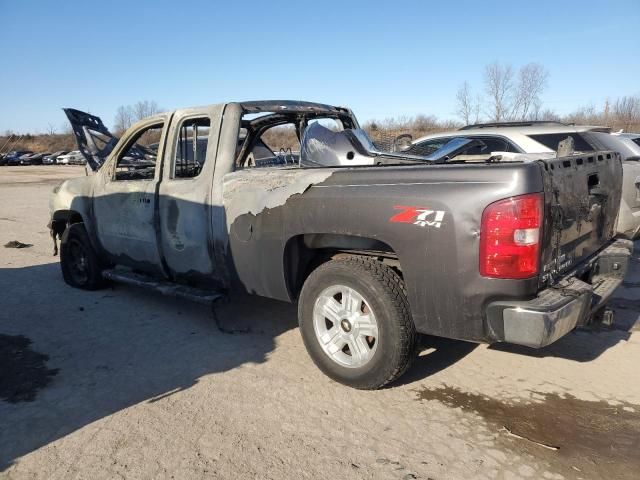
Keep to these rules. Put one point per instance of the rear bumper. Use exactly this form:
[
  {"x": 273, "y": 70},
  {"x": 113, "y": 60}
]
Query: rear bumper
[{"x": 559, "y": 309}]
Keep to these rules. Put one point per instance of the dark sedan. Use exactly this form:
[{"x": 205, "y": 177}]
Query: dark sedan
[
  {"x": 13, "y": 158},
  {"x": 33, "y": 159}
]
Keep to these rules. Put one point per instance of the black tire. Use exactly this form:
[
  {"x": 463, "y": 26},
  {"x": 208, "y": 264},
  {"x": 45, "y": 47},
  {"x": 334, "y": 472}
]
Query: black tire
[
  {"x": 81, "y": 267},
  {"x": 383, "y": 289}
]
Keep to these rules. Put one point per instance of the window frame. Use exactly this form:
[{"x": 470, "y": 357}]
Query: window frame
[
  {"x": 176, "y": 141},
  {"x": 133, "y": 139},
  {"x": 563, "y": 135},
  {"x": 481, "y": 137}
]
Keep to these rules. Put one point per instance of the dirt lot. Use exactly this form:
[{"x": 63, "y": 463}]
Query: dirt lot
[{"x": 126, "y": 383}]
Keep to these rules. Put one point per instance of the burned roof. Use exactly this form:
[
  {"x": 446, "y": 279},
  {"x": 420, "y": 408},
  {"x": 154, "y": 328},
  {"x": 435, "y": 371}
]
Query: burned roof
[{"x": 296, "y": 106}]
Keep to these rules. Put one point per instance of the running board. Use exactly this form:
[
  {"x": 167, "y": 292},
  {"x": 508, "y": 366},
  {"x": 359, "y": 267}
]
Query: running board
[{"x": 164, "y": 287}]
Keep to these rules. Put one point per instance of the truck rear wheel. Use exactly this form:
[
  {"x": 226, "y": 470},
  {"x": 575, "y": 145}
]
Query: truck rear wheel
[
  {"x": 355, "y": 322},
  {"x": 80, "y": 265}
]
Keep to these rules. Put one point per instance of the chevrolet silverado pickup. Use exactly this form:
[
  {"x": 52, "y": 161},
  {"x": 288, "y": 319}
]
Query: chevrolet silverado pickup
[{"x": 375, "y": 246}]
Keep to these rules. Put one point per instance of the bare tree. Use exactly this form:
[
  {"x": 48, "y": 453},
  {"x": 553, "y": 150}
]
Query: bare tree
[
  {"x": 627, "y": 111},
  {"x": 65, "y": 128},
  {"x": 465, "y": 102},
  {"x": 476, "y": 109},
  {"x": 145, "y": 109},
  {"x": 127, "y": 115},
  {"x": 498, "y": 82},
  {"x": 124, "y": 118},
  {"x": 548, "y": 115},
  {"x": 468, "y": 104},
  {"x": 586, "y": 114},
  {"x": 527, "y": 101},
  {"x": 51, "y": 130},
  {"x": 424, "y": 122}
]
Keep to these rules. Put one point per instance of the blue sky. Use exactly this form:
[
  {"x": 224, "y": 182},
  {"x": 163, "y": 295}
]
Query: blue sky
[{"x": 380, "y": 58}]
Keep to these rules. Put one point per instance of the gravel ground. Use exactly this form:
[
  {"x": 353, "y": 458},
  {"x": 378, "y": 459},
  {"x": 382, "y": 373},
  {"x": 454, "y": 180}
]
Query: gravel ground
[{"x": 126, "y": 383}]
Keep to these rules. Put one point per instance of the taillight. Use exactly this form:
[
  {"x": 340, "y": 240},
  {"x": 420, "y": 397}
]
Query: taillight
[{"x": 510, "y": 237}]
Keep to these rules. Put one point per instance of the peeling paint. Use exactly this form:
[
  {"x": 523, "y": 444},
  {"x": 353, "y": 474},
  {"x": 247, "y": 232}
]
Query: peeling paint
[{"x": 254, "y": 190}]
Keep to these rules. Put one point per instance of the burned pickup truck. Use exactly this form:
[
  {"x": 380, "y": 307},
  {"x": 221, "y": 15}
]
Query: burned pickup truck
[{"x": 375, "y": 246}]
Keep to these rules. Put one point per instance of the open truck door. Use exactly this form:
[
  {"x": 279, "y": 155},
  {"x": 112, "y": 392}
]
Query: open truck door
[{"x": 94, "y": 140}]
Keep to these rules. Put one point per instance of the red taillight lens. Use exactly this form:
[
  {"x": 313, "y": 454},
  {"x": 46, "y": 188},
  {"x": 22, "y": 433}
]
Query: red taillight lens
[{"x": 510, "y": 237}]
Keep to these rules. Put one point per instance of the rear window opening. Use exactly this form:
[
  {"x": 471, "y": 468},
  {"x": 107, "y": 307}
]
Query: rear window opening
[
  {"x": 274, "y": 138},
  {"x": 551, "y": 140}
]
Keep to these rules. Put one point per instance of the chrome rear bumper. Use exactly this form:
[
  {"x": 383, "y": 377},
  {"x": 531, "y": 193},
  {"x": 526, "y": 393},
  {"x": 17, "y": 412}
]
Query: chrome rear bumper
[{"x": 559, "y": 309}]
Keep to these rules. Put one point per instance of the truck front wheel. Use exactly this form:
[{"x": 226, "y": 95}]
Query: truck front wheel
[
  {"x": 80, "y": 265},
  {"x": 355, "y": 322}
]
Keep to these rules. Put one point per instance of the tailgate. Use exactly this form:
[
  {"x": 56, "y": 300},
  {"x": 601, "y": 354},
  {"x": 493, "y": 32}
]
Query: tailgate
[{"x": 582, "y": 198}]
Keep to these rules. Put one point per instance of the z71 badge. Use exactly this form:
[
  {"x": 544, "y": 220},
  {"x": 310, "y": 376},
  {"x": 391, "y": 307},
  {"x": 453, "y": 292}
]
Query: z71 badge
[{"x": 421, "y": 216}]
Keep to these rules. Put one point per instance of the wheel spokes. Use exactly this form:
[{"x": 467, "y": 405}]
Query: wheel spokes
[
  {"x": 351, "y": 301},
  {"x": 359, "y": 349},
  {"x": 331, "y": 309},
  {"x": 367, "y": 326},
  {"x": 332, "y": 340},
  {"x": 345, "y": 326}
]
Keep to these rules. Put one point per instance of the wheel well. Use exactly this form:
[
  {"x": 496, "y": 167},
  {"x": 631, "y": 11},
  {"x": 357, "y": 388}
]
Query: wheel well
[
  {"x": 62, "y": 218},
  {"x": 304, "y": 253}
]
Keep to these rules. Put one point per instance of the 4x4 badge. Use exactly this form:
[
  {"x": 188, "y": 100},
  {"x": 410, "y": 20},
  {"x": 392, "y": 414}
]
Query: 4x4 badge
[{"x": 421, "y": 216}]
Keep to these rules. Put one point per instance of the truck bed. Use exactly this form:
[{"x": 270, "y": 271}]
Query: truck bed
[{"x": 341, "y": 209}]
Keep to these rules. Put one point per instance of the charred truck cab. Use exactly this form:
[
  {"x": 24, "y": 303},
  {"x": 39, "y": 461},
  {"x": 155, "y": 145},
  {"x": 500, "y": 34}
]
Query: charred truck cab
[{"x": 293, "y": 201}]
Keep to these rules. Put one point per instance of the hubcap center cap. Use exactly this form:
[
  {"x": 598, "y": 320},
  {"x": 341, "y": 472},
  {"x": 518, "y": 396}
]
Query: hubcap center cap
[{"x": 346, "y": 325}]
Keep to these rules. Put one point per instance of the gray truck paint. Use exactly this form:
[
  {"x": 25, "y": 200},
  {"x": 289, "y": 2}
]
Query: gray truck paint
[{"x": 264, "y": 228}]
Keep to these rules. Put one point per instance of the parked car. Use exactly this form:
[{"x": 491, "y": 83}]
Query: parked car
[
  {"x": 24, "y": 159},
  {"x": 543, "y": 137},
  {"x": 374, "y": 253},
  {"x": 72, "y": 158},
  {"x": 13, "y": 158},
  {"x": 33, "y": 159},
  {"x": 628, "y": 144},
  {"x": 51, "y": 158}
]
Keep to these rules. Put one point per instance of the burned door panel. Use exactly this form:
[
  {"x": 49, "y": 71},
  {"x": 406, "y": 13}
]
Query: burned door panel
[
  {"x": 124, "y": 199},
  {"x": 185, "y": 206}
]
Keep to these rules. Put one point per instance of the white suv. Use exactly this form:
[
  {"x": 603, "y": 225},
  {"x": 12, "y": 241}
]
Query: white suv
[
  {"x": 514, "y": 137},
  {"x": 543, "y": 137},
  {"x": 71, "y": 158}
]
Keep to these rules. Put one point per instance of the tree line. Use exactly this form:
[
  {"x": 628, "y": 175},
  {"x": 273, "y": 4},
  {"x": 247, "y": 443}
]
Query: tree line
[
  {"x": 127, "y": 115},
  {"x": 506, "y": 94}
]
